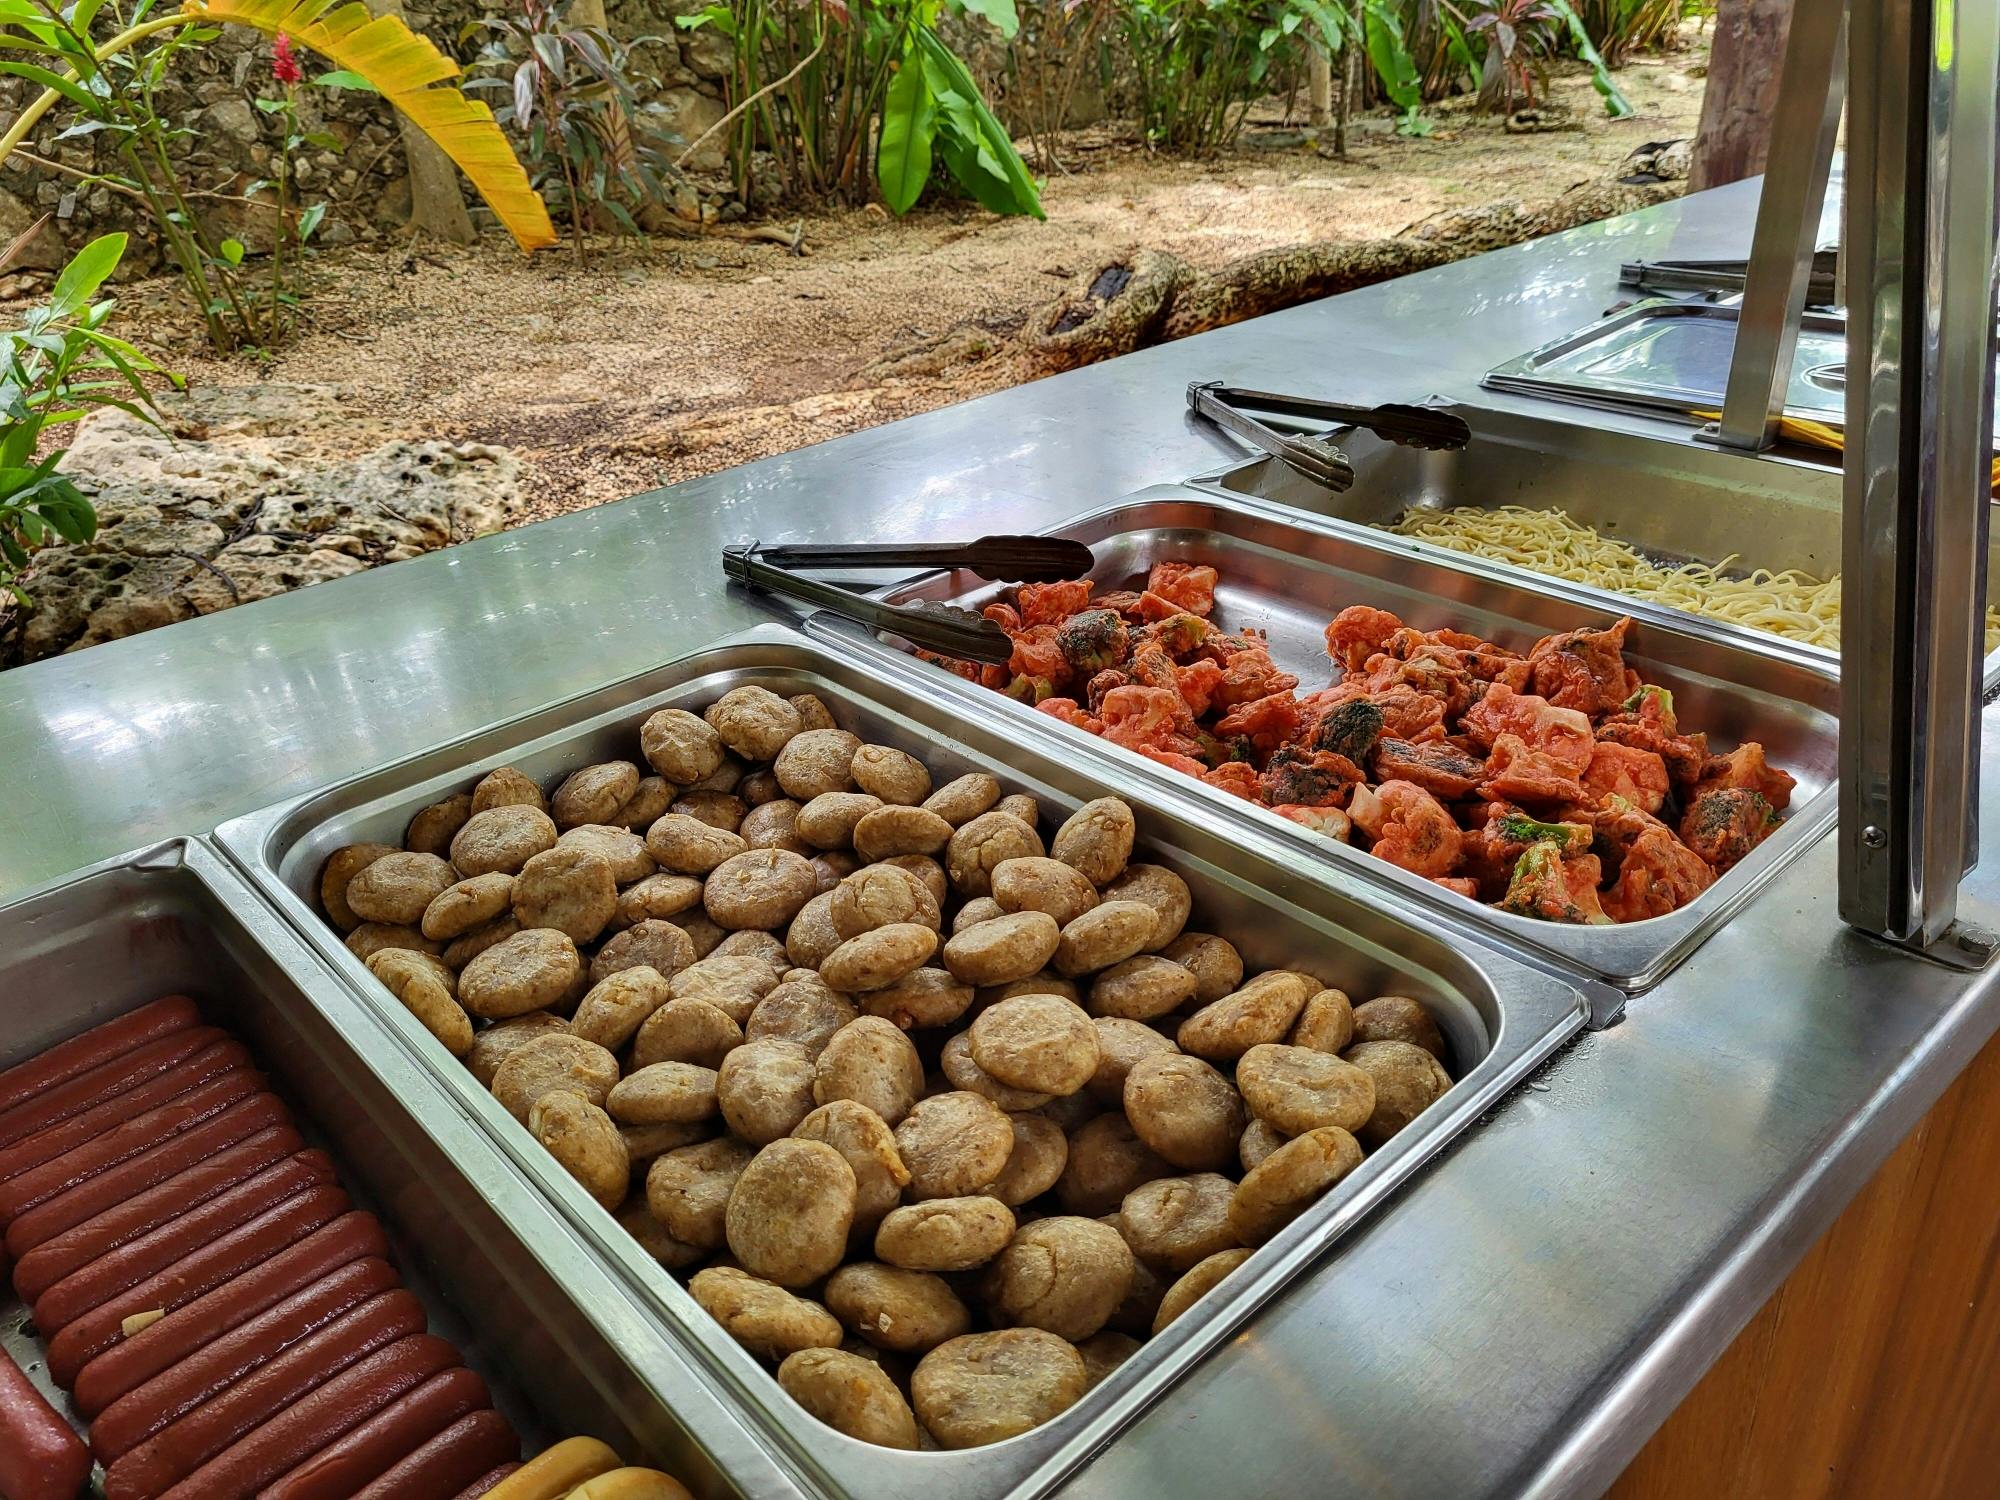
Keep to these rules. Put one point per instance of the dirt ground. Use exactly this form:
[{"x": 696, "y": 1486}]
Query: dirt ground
[{"x": 672, "y": 359}]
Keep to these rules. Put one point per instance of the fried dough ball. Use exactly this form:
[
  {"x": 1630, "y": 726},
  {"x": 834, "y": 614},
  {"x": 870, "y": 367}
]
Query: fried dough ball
[
  {"x": 507, "y": 787},
  {"x": 958, "y": 1066},
  {"x": 689, "y": 1031},
  {"x": 945, "y": 1234},
  {"x": 425, "y": 986},
  {"x": 765, "y": 1319},
  {"x": 1065, "y": 1274},
  {"x": 754, "y": 722},
  {"x": 906, "y": 1312},
  {"x": 1107, "y": 934},
  {"x": 680, "y": 746},
  {"x": 1298, "y": 1089},
  {"x": 665, "y": 1093},
  {"x": 1326, "y": 1024},
  {"x": 870, "y": 1149},
  {"x": 1290, "y": 1180},
  {"x": 1120, "y": 1045},
  {"x": 765, "y": 1088},
  {"x": 594, "y": 794},
  {"x": 1106, "y": 1160},
  {"x": 1104, "y": 1352},
  {"x": 954, "y": 1145},
  {"x": 878, "y": 958},
  {"x": 1398, "y": 1018},
  {"x": 803, "y": 1010},
  {"x": 815, "y": 762},
  {"x": 1005, "y": 949},
  {"x": 398, "y": 887},
  {"x": 432, "y": 830},
  {"x": 555, "y": 1060},
  {"x": 1177, "y": 1221},
  {"x": 1263, "y": 1010},
  {"x": 1200, "y": 1279},
  {"x": 688, "y": 1188},
  {"x": 1036, "y": 1161},
  {"x": 760, "y": 888},
  {"x": 1097, "y": 839},
  {"x": 335, "y": 875},
  {"x": 470, "y": 903},
  {"x": 1039, "y": 1042},
  {"x": 663, "y": 947},
  {"x": 570, "y": 890},
  {"x": 894, "y": 776},
  {"x": 1408, "y": 1081},
  {"x": 492, "y": 1046},
  {"x": 870, "y": 1061},
  {"x": 1185, "y": 1110},
  {"x": 981, "y": 846},
  {"x": 501, "y": 838},
  {"x": 532, "y": 970},
  {"x": 790, "y": 1211},
  {"x": 1161, "y": 889},
  {"x": 959, "y": 802},
  {"x": 582, "y": 1139},
  {"x": 923, "y": 997},
  {"x": 851, "y": 1395},
  {"x": 983, "y": 1387},
  {"x": 1216, "y": 965}
]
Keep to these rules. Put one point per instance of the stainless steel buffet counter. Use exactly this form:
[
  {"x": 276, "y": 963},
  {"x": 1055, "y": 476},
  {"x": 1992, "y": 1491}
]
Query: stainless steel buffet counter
[{"x": 1525, "y": 1311}]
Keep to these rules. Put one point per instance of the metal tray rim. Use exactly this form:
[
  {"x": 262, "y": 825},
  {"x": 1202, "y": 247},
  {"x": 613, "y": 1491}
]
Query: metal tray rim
[
  {"x": 1553, "y": 1009},
  {"x": 1631, "y": 956}
]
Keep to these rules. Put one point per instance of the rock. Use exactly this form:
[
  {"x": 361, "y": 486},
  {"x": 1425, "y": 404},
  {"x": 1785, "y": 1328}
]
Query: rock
[
  {"x": 44, "y": 252},
  {"x": 250, "y": 491},
  {"x": 683, "y": 116},
  {"x": 232, "y": 119},
  {"x": 260, "y": 566},
  {"x": 421, "y": 495}
]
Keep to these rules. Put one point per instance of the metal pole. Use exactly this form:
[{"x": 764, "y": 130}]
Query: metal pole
[
  {"x": 1803, "y": 130},
  {"x": 1919, "y": 242}
]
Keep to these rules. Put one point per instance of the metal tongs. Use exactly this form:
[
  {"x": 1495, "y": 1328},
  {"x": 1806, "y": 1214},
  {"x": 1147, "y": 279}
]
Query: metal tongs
[
  {"x": 1313, "y": 455},
  {"x": 1724, "y": 278},
  {"x": 945, "y": 628}
]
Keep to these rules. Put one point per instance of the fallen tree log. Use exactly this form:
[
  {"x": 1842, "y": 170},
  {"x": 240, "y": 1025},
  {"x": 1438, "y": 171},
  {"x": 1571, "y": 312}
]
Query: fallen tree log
[{"x": 1148, "y": 296}]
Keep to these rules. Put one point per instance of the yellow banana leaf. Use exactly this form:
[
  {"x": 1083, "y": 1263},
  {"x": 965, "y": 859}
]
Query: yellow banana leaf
[{"x": 403, "y": 67}]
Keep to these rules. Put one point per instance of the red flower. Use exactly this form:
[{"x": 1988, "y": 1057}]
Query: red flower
[{"x": 284, "y": 63}]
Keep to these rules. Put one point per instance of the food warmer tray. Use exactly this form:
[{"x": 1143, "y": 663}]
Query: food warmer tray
[
  {"x": 563, "y": 1350},
  {"x": 1502, "y": 1018},
  {"x": 1289, "y": 574}
]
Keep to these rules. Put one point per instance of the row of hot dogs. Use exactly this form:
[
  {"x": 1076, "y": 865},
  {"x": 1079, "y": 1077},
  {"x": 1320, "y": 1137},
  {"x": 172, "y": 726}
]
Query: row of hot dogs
[{"x": 224, "y": 1318}]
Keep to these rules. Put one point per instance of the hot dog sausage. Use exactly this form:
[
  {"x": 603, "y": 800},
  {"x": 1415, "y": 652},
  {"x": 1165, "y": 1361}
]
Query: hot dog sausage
[
  {"x": 40, "y": 1457},
  {"x": 397, "y": 1430},
  {"x": 486, "y": 1483},
  {"x": 221, "y": 1260},
  {"x": 474, "y": 1448},
  {"x": 136, "y": 1133},
  {"x": 92, "y": 1048},
  {"x": 66, "y": 1135},
  {"x": 308, "y": 1425},
  {"x": 74, "y": 1095},
  {"x": 186, "y": 1444},
  {"x": 76, "y": 1247},
  {"x": 155, "y": 1164},
  {"x": 127, "y": 1266},
  {"x": 351, "y": 1237},
  {"x": 213, "y": 1369}
]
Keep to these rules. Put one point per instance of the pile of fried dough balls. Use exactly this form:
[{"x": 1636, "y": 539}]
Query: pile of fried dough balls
[{"x": 943, "y": 1119}]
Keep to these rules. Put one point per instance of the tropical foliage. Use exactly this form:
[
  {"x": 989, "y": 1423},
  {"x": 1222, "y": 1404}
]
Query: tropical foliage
[
  {"x": 60, "y": 363},
  {"x": 848, "y": 95},
  {"x": 104, "y": 63}
]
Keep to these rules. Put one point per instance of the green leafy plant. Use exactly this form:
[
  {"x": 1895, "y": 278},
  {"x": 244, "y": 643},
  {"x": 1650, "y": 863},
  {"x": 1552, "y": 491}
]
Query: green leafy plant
[
  {"x": 1199, "y": 64},
  {"x": 106, "y": 62},
  {"x": 571, "y": 98},
  {"x": 60, "y": 365},
  {"x": 1060, "y": 43},
  {"x": 1518, "y": 38},
  {"x": 848, "y": 95}
]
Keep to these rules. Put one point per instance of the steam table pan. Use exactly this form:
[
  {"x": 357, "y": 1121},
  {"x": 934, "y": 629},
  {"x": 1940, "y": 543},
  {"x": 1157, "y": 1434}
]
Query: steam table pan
[
  {"x": 1501, "y": 1017},
  {"x": 563, "y": 1350},
  {"x": 1288, "y": 574}
]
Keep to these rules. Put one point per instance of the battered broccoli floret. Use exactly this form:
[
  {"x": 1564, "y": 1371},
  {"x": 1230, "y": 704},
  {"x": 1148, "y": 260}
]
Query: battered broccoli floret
[
  {"x": 1350, "y": 730},
  {"x": 1030, "y": 689},
  {"x": 1179, "y": 634},
  {"x": 1517, "y": 827},
  {"x": 1093, "y": 640},
  {"x": 1637, "y": 702}
]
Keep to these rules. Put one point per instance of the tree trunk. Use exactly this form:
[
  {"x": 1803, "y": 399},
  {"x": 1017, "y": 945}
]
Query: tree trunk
[
  {"x": 1744, "y": 63},
  {"x": 1319, "y": 87},
  {"x": 437, "y": 206}
]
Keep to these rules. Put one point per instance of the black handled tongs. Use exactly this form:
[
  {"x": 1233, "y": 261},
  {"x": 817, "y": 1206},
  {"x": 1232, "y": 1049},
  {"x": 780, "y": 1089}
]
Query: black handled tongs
[
  {"x": 1311, "y": 454},
  {"x": 1727, "y": 277},
  {"x": 945, "y": 628}
]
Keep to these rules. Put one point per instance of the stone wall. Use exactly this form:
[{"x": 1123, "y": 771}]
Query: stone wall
[{"x": 229, "y": 143}]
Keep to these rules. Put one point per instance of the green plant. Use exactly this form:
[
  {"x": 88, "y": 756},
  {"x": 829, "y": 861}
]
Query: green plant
[
  {"x": 1060, "y": 42},
  {"x": 1198, "y": 65},
  {"x": 1518, "y": 38},
  {"x": 571, "y": 99},
  {"x": 111, "y": 82},
  {"x": 60, "y": 364},
  {"x": 845, "y": 95},
  {"x": 1618, "y": 28}
]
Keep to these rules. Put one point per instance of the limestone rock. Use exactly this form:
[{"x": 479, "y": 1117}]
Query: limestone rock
[{"x": 260, "y": 566}]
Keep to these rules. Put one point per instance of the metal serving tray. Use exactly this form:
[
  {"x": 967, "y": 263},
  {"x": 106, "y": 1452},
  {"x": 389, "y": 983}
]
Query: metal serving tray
[
  {"x": 1289, "y": 574},
  {"x": 1502, "y": 1018},
  {"x": 556, "y": 1339},
  {"x": 1675, "y": 502}
]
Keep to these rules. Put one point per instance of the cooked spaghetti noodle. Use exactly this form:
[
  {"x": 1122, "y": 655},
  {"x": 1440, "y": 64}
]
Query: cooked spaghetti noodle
[{"x": 1793, "y": 604}]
